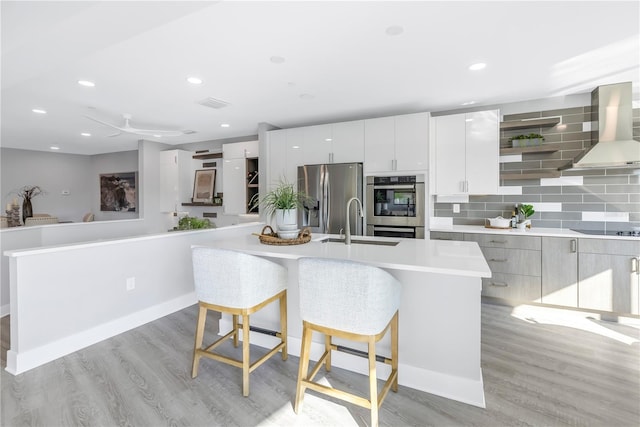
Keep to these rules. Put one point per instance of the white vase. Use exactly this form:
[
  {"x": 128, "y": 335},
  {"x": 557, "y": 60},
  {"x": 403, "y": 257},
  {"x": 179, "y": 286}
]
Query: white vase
[{"x": 286, "y": 219}]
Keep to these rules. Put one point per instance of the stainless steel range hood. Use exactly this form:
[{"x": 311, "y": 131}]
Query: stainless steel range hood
[{"x": 611, "y": 130}]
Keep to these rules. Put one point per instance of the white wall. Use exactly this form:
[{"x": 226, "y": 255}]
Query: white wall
[
  {"x": 92, "y": 277},
  {"x": 55, "y": 172}
]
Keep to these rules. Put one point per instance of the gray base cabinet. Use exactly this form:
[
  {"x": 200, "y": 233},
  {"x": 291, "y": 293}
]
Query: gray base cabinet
[
  {"x": 593, "y": 274},
  {"x": 515, "y": 266},
  {"x": 560, "y": 271},
  {"x": 609, "y": 276}
]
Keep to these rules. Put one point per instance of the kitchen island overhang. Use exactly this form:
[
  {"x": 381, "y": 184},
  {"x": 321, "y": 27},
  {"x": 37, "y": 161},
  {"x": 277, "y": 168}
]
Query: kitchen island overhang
[{"x": 440, "y": 311}]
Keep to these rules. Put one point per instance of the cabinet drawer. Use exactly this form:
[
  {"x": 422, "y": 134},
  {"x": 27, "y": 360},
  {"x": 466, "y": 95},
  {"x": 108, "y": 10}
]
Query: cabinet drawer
[
  {"x": 513, "y": 261},
  {"x": 609, "y": 246},
  {"x": 446, "y": 235},
  {"x": 502, "y": 241},
  {"x": 512, "y": 287}
]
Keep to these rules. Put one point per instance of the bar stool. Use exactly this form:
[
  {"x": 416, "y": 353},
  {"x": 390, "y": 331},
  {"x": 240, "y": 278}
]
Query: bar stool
[
  {"x": 353, "y": 301},
  {"x": 238, "y": 284}
]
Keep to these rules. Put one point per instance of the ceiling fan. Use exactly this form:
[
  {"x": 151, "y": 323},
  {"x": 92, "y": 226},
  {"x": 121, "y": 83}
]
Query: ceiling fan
[{"x": 142, "y": 132}]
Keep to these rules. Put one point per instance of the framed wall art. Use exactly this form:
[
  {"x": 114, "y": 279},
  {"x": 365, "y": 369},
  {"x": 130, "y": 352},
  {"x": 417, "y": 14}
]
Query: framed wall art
[
  {"x": 203, "y": 185},
  {"x": 118, "y": 192}
]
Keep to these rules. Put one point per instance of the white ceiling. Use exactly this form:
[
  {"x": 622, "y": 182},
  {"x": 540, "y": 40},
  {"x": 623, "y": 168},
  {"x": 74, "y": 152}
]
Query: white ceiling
[{"x": 339, "y": 63}]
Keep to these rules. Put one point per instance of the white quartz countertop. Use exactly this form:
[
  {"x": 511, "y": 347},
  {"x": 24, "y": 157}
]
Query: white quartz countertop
[
  {"x": 434, "y": 256},
  {"x": 542, "y": 232}
]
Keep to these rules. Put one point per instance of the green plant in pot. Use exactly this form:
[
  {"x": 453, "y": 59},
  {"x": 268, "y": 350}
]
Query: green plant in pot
[
  {"x": 283, "y": 201},
  {"x": 525, "y": 211},
  {"x": 192, "y": 223}
]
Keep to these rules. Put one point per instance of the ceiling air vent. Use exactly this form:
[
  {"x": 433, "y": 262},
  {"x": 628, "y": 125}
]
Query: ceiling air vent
[{"x": 213, "y": 103}]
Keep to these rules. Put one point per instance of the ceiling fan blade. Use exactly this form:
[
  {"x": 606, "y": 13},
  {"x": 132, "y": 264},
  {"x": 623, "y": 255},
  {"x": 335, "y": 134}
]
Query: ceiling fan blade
[{"x": 104, "y": 123}]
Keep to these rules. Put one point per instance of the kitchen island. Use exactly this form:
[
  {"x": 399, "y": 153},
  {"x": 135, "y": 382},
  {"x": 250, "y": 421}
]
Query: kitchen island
[{"x": 439, "y": 312}]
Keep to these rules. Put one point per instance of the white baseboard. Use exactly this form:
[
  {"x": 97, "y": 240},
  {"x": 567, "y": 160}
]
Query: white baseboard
[
  {"x": 18, "y": 363},
  {"x": 5, "y": 310},
  {"x": 463, "y": 390}
]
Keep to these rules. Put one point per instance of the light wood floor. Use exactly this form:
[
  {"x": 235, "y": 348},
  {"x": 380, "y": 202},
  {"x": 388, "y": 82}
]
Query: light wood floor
[{"x": 536, "y": 373}]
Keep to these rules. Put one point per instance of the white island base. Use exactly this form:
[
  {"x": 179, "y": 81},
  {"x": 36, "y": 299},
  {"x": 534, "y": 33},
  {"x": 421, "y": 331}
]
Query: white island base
[{"x": 439, "y": 337}]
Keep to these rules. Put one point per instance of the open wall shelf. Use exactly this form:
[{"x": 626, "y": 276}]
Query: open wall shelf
[
  {"x": 530, "y": 123},
  {"x": 544, "y": 148}
]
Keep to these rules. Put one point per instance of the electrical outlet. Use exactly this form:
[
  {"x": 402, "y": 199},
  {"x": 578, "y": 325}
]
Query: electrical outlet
[
  {"x": 131, "y": 283},
  {"x": 456, "y": 208}
]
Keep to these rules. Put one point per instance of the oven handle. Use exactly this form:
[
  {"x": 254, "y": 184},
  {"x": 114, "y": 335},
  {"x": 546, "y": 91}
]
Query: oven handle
[
  {"x": 399, "y": 229},
  {"x": 394, "y": 187}
]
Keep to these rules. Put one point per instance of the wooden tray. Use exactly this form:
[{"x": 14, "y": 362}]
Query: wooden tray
[
  {"x": 271, "y": 237},
  {"x": 497, "y": 228}
]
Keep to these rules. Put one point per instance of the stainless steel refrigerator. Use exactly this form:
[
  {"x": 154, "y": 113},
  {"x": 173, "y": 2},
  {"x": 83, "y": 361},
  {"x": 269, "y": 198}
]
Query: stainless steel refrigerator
[{"x": 329, "y": 188}]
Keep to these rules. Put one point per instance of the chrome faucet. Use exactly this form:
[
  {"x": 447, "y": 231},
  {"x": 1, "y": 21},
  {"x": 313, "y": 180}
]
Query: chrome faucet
[{"x": 347, "y": 227}]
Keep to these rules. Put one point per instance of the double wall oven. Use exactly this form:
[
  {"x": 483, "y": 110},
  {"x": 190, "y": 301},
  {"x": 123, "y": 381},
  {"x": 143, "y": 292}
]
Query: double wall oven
[{"x": 395, "y": 206}]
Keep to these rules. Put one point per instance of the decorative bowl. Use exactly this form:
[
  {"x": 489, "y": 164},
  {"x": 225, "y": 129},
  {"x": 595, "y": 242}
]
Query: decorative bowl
[{"x": 288, "y": 234}]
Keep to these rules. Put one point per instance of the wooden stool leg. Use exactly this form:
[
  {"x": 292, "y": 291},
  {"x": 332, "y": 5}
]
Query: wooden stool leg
[
  {"x": 283, "y": 324},
  {"x": 235, "y": 329},
  {"x": 245, "y": 355},
  {"x": 327, "y": 348},
  {"x": 202, "y": 317},
  {"x": 394, "y": 350},
  {"x": 303, "y": 369},
  {"x": 373, "y": 383}
]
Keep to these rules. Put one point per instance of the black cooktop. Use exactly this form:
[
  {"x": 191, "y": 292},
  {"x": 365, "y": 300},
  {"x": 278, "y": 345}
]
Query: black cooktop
[{"x": 609, "y": 232}]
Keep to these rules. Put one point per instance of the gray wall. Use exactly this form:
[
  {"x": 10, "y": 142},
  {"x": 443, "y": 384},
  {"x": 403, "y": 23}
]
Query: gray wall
[
  {"x": 58, "y": 172},
  {"x": 601, "y": 190}
]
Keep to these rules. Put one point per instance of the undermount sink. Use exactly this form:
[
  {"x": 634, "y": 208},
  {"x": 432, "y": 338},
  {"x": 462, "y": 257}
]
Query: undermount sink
[{"x": 360, "y": 241}]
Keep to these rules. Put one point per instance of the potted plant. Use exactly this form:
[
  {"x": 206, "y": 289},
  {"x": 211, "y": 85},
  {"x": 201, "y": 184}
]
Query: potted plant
[
  {"x": 283, "y": 201},
  {"x": 525, "y": 211},
  {"x": 26, "y": 193},
  {"x": 526, "y": 140}
]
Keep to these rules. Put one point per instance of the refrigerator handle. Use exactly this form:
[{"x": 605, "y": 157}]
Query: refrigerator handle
[{"x": 326, "y": 191}]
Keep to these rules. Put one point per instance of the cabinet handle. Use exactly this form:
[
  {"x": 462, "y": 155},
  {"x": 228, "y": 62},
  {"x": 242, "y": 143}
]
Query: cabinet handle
[
  {"x": 498, "y": 241},
  {"x": 634, "y": 266},
  {"x": 330, "y": 157},
  {"x": 441, "y": 238},
  {"x": 394, "y": 164},
  {"x": 500, "y": 284},
  {"x": 574, "y": 246},
  {"x": 497, "y": 260}
]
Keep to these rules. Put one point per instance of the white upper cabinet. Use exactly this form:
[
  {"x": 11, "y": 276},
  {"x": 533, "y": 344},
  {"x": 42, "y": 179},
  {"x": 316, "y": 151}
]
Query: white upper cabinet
[
  {"x": 240, "y": 150},
  {"x": 176, "y": 179},
  {"x": 465, "y": 151},
  {"x": 333, "y": 143},
  {"x": 398, "y": 143},
  {"x": 285, "y": 155},
  {"x": 347, "y": 142}
]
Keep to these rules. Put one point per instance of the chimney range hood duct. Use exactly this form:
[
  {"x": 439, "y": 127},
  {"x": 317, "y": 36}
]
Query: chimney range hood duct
[{"x": 611, "y": 130}]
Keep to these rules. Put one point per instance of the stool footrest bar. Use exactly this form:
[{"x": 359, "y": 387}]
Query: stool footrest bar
[{"x": 361, "y": 353}]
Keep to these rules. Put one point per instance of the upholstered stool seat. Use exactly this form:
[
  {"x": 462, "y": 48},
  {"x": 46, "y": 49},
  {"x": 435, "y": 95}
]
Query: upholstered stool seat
[
  {"x": 352, "y": 301},
  {"x": 238, "y": 284}
]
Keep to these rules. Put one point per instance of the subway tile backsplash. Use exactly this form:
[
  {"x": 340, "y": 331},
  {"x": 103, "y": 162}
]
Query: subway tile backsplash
[{"x": 595, "y": 199}]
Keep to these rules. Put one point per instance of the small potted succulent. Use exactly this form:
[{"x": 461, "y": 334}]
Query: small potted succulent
[{"x": 524, "y": 212}]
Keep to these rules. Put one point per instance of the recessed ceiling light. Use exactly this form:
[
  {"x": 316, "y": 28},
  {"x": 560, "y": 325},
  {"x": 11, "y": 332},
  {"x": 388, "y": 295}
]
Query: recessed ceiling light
[
  {"x": 295, "y": 147},
  {"x": 194, "y": 80},
  {"x": 478, "y": 66},
  {"x": 39, "y": 111},
  {"x": 86, "y": 83},
  {"x": 468, "y": 103},
  {"x": 225, "y": 125},
  {"x": 277, "y": 59},
  {"x": 157, "y": 136},
  {"x": 394, "y": 30},
  {"x": 85, "y": 134},
  {"x": 54, "y": 147},
  {"x": 328, "y": 139}
]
